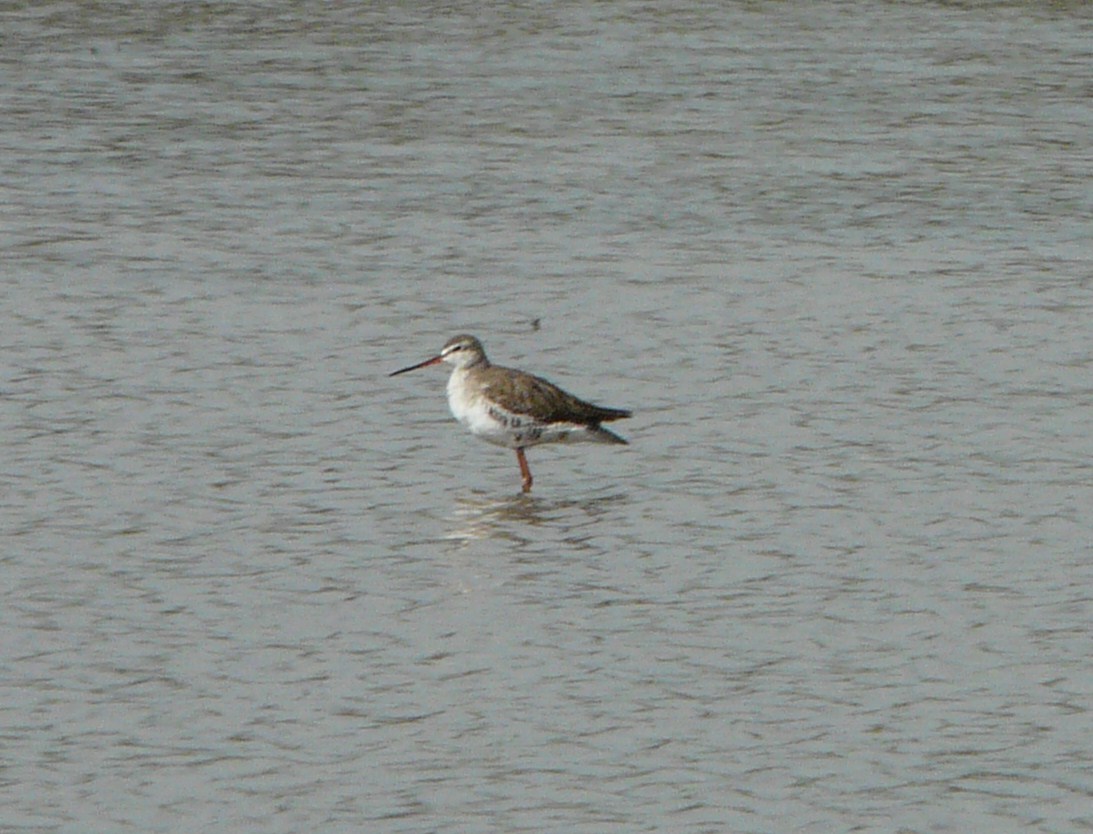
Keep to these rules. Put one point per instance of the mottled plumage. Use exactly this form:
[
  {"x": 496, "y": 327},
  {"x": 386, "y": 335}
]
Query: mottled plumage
[
  {"x": 523, "y": 393},
  {"x": 511, "y": 408}
]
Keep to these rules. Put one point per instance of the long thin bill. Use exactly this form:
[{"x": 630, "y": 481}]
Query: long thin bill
[{"x": 424, "y": 364}]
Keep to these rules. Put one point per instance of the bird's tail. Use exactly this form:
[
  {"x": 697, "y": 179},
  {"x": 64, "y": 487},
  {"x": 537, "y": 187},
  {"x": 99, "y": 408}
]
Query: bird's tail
[{"x": 599, "y": 434}]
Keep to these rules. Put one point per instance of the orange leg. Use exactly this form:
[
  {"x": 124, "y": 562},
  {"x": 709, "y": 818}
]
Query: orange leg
[{"x": 524, "y": 469}]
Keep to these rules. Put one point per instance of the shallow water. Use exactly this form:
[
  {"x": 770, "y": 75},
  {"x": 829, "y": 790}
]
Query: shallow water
[{"x": 836, "y": 258}]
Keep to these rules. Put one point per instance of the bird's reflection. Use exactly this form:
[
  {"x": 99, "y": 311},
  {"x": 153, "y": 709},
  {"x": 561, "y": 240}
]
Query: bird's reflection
[{"x": 478, "y": 515}]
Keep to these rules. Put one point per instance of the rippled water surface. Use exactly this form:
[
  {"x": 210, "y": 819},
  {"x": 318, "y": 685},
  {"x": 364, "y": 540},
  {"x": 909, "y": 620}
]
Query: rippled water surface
[{"x": 835, "y": 256}]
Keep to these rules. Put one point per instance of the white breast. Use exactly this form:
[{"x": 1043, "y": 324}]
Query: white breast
[{"x": 473, "y": 410}]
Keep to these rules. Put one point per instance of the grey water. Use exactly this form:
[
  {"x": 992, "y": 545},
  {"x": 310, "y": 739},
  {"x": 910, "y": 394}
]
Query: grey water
[{"x": 836, "y": 256}]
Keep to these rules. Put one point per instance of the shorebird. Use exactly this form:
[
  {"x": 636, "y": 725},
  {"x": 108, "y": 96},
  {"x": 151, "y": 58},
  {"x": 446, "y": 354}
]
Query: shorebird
[{"x": 511, "y": 408}]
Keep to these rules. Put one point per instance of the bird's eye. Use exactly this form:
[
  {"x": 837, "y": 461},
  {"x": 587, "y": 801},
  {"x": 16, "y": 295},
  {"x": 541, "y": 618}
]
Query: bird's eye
[{"x": 457, "y": 347}]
